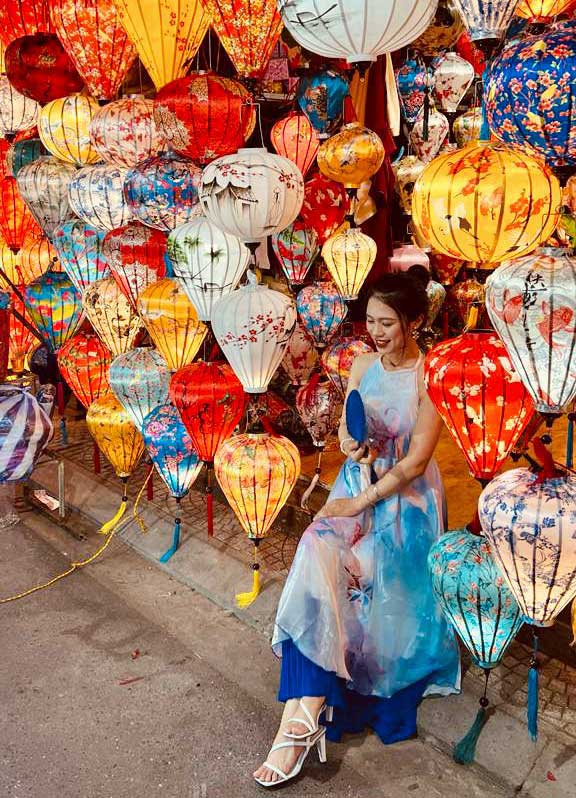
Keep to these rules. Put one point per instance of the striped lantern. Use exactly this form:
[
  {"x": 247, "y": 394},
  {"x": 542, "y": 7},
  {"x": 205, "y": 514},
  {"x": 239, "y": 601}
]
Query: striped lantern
[
  {"x": 64, "y": 128},
  {"x": 25, "y": 430}
]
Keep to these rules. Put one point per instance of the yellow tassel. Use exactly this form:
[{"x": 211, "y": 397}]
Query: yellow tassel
[
  {"x": 113, "y": 522},
  {"x": 472, "y": 320},
  {"x": 245, "y": 599}
]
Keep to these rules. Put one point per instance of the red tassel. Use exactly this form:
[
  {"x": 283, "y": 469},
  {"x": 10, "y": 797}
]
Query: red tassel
[
  {"x": 150, "y": 484},
  {"x": 549, "y": 470}
]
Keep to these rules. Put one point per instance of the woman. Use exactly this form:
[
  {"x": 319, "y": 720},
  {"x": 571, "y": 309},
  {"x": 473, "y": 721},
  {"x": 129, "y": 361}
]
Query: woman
[{"x": 361, "y": 637}]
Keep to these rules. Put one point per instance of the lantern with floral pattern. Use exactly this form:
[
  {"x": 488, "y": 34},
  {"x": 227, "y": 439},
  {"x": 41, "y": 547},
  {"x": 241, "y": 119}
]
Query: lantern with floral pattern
[
  {"x": 486, "y": 19},
  {"x": 136, "y": 256},
  {"x": 43, "y": 185},
  {"x": 352, "y": 155},
  {"x": 319, "y": 404},
  {"x": 64, "y": 128},
  {"x": 112, "y": 315},
  {"x": 17, "y": 112},
  {"x": 139, "y": 379},
  {"x": 324, "y": 207},
  {"x": 468, "y": 126},
  {"x": 294, "y": 138},
  {"x": 124, "y": 133},
  {"x": 296, "y": 249},
  {"x": 36, "y": 256},
  {"x": 321, "y": 310},
  {"x": 300, "y": 357},
  {"x": 407, "y": 170},
  {"x": 96, "y": 195},
  {"x": 453, "y": 76},
  {"x": 442, "y": 32},
  {"x": 427, "y": 138},
  {"x": 84, "y": 362},
  {"x": 116, "y": 436},
  {"x": 412, "y": 81},
  {"x": 80, "y": 249},
  {"x": 23, "y": 18},
  {"x": 321, "y": 98},
  {"x": 55, "y": 307},
  {"x": 338, "y": 357}
]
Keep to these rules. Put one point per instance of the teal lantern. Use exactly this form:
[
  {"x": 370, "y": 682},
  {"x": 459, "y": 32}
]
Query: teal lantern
[{"x": 55, "y": 308}]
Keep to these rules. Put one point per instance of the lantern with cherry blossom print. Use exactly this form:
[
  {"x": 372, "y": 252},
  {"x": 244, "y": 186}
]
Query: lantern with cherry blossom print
[
  {"x": 123, "y": 132},
  {"x": 36, "y": 256},
  {"x": 407, "y": 170},
  {"x": 349, "y": 256},
  {"x": 136, "y": 256},
  {"x": 321, "y": 310},
  {"x": 543, "y": 11},
  {"x": 427, "y": 138},
  {"x": 80, "y": 249},
  {"x": 39, "y": 67},
  {"x": 531, "y": 303},
  {"x": 96, "y": 195},
  {"x": 300, "y": 357},
  {"x": 84, "y": 362},
  {"x": 296, "y": 249},
  {"x": 139, "y": 379},
  {"x": 294, "y": 138},
  {"x": 325, "y": 206},
  {"x": 23, "y": 18},
  {"x": 22, "y": 340},
  {"x": 17, "y": 112},
  {"x": 486, "y": 19},
  {"x": 43, "y": 185},
  {"x": 253, "y": 326},
  {"x": 204, "y": 115},
  {"x": 16, "y": 221},
  {"x": 480, "y": 398},
  {"x": 351, "y": 156},
  {"x": 453, "y": 76},
  {"x": 55, "y": 307},
  {"x": 338, "y": 357},
  {"x": 412, "y": 82},
  {"x": 112, "y": 315},
  {"x": 64, "y": 128}
]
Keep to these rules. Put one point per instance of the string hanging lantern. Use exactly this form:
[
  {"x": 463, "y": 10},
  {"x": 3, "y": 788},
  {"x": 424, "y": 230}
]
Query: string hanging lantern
[
  {"x": 80, "y": 249},
  {"x": 467, "y": 127},
  {"x": 453, "y": 76},
  {"x": 84, "y": 362},
  {"x": 96, "y": 195},
  {"x": 112, "y": 315},
  {"x": 406, "y": 171},
  {"x": 16, "y": 221},
  {"x": 338, "y": 357},
  {"x": 39, "y": 67},
  {"x": 300, "y": 358},
  {"x": 17, "y": 112},
  {"x": 324, "y": 207},
  {"x": 352, "y": 155},
  {"x": 136, "y": 256},
  {"x": 429, "y": 133},
  {"x": 22, "y": 340},
  {"x": 21, "y": 153},
  {"x": 55, "y": 307},
  {"x": 23, "y": 18},
  {"x": 321, "y": 310},
  {"x": 139, "y": 379},
  {"x": 436, "y": 296},
  {"x": 486, "y": 19},
  {"x": 293, "y": 137},
  {"x": 543, "y": 11},
  {"x": 321, "y": 99},
  {"x": 35, "y": 257},
  {"x": 172, "y": 322},
  {"x": 349, "y": 256},
  {"x": 207, "y": 262},
  {"x": 43, "y": 185},
  {"x": 412, "y": 82},
  {"x": 124, "y": 132},
  {"x": 24, "y": 432},
  {"x": 296, "y": 249},
  {"x": 442, "y": 32}
]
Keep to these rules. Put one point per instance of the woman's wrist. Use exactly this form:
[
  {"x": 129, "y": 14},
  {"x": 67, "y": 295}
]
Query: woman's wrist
[
  {"x": 345, "y": 446},
  {"x": 370, "y": 496}
]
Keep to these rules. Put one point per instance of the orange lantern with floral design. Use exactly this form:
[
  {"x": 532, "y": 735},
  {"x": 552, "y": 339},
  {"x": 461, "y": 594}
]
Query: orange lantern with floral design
[
  {"x": 23, "y": 18},
  {"x": 22, "y": 340},
  {"x": 543, "y": 11},
  {"x": 84, "y": 362}
]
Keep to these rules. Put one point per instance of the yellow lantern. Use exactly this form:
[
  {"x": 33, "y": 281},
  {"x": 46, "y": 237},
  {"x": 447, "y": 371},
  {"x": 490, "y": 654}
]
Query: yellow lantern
[
  {"x": 37, "y": 255},
  {"x": 64, "y": 128},
  {"x": 111, "y": 314},
  {"x": 166, "y": 34},
  {"x": 172, "y": 322},
  {"x": 10, "y": 266},
  {"x": 352, "y": 155},
  {"x": 257, "y": 473},
  {"x": 468, "y": 126},
  {"x": 539, "y": 11},
  {"x": 486, "y": 203},
  {"x": 349, "y": 256}
]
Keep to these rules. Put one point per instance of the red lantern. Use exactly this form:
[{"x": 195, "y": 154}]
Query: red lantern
[
  {"x": 204, "y": 116},
  {"x": 38, "y": 67},
  {"x": 325, "y": 206},
  {"x": 84, "y": 362},
  {"x": 294, "y": 137},
  {"x": 136, "y": 255},
  {"x": 480, "y": 397},
  {"x": 23, "y": 18},
  {"x": 22, "y": 339},
  {"x": 471, "y": 52},
  {"x": 16, "y": 221}
]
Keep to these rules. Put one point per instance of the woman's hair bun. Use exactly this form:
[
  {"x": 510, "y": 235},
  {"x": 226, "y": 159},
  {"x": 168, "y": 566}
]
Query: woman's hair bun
[{"x": 419, "y": 273}]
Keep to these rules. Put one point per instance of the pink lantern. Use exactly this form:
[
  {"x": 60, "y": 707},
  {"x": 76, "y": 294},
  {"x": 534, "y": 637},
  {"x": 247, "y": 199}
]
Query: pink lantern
[
  {"x": 294, "y": 137},
  {"x": 301, "y": 357},
  {"x": 407, "y": 255},
  {"x": 337, "y": 360}
]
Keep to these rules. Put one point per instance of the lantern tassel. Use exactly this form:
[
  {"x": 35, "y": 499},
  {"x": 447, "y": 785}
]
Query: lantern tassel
[
  {"x": 209, "y": 500},
  {"x": 96, "y": 459},
  {"x": 465, "y": 750},
  {"x": 61, "y": 404},
  {"x": 313, "y": 482},
  {"x": 245, "y": 599},
  {"x": 113, "y": 522},
  {"x": 150, "y": 485},
  {"x": 135, "y": 514},
  {"x": 426, "y": 112},
  {"x": 175, "y": 535},
  {"x": 533, "y": 691}
]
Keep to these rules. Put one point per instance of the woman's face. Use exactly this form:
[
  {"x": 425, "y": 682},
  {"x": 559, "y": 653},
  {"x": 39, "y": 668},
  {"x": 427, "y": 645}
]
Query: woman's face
[{"x": 385, "y": 327}]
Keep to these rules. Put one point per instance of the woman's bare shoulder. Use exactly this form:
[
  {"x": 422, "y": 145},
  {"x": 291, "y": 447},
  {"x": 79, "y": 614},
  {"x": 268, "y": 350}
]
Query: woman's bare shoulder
[{"x": 361, "y": 363}]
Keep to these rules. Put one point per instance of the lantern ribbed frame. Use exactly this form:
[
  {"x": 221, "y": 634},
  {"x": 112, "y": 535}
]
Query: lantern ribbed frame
[
  {"x": 111, "y": 314},
  {"x": 124, "y": 132},
  {"x": 23, "y": 18},
  {"x": 96, "y": 195},
  {"x": 136, "y": 256},
  {"x": 139, "y": 379},
  {"x": 115, "y": 434},
  {"x": 84, "y": 362},
  {"x": 10, "y": 265},
  {"x": 39, "y": 67},
  {"x": 36, "y": 256},
  {"x": 16, "y": 221},
  {"x": 543, "y": 10},
  {"x": 22, "y": 153},
  {"x": 296, "y": 249},
  {"x": 43, "y": 185},
  {"x": 80, "y": 248},
  {"x": 17, "y": 112},
  {"x": 64, "y": 128},
  {"x": 294, "y": 138},
  {"x": 486, "y": 19},
  {"x": 349, "y": 255}
]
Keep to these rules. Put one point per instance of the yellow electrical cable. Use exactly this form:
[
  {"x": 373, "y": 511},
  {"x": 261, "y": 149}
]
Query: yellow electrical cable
[{"x": 136, "y": 515}]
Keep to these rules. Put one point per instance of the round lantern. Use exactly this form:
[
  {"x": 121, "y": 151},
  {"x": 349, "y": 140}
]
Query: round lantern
[
  {"x": 412, "y": 82},
  {"x": 22, "y": 340},
  {"x": 96, "y": 195},
  {"x": 55, "y": 307},
  {"x": 124, "y": 133},
  {"x": 407, "y": 170},
  {"x": 351, "y": 156},
  {"x": 204, "y": 115},
  {"x": 80, "y": 249},
  {"x": 427, "y": 144},
  {"x": 485, "y": 203},
  {"x": 453, "y": 76},
  {"x": 172, "y": 322},
  {"x": 21, "y": 153},
  {"x": 469, "y": 297},
  {"x": 251, "y": 194},
  {"x": 338, "y": 357},
  {"x": 95, "y": 40},
  {"x": 139, "y": 380},
  {"x": 467, "y": 127},
  {"x": 441, "y": 33},
  {"x": 16, "y": 221},
  {"x": 136, "y": 256},
  {"x": 321, "y": 98},
  {"x": 25, "y": 430},
  {"x": 531, "y": 113},
  {"x": 38, "y": 67},
  {"x": 17, "y": 112},
  {"x": 115, "y": 434},
  {"x": 64, "y": 128},
  {"x": 162, "y": 191},
  {"x": 480, "y": 398},
  {"x": 294, "y": 138},
  {"x": 36, "y": 256},
  {"x": 248, "y": 30},
  {"x": 486, "y": 19},
  {"x": 84, "y": 362},
  {"x": 532, "y": 305},
  {"x": 296, "y": 249},
  {"x": 349, "y": 256},
  {"x": 23, "y": 18},
  {"x": 300, "y": 357},
  {"x": 43, "y": 186},
  {"x": 319, "y": 405},
  {"x": 357, "y": 31},
  {"x": 324, "y": 207},
  {"x": 407, "y": 255},
  {"x": 112, "y": 315},
  {"x": 321, "y": 310},
  {"x": 207, "y": 262},
  {"x": 253, "y": 326},
  {"x": 543, "y": 11}
]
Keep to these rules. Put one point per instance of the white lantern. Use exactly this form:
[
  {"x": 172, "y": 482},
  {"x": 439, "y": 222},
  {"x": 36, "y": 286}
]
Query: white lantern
[
  {"x": 253, "y": 326},
  {"x": 252, "y": 194},
  {"x": 43, "y": 185},
  {"x": 17, "y": 112},
  {"x": 349, "y": 256},
  {"x": 453, "y": 76},
  {"x": 124, "y": 132},
  {"x": 96, "y": 194},
  {"x": 486, "y": 19},
  {"x": 356, "y": 30},
  {"x": 207, "y": 262}
]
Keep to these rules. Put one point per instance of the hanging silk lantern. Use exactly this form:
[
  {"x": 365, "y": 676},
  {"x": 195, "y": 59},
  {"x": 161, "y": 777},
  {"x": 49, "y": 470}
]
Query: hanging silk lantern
[
  {"x": 338, "y": 357},
  {"x": 251, "y": 194},
  {"x": 407, "y": 255},
  {"x": 111, "y": 314},
  {"x": 253, "y": 326},
  {"x": 207, "y": 262},
  {"x": 321, "y": 98},
  {"x": 436, "y": 295},
  {"x": 136, "y": 257},
  {"x": 412, "y": 82},
  {"x": 407, "y": 170},
  {"x": 359, "y": 31},
  {"x": 23, "y": 18},
  {"x": 427, "y": 144},
  {"x": 296, "y": 249},
  {"x": 172, "y": 322},
  {"x": 531, "y": 303},
  {"x": 204, "y": 115},
  {"x": 351, "y": 156},
  {"x": 349, "y": 256},
  {"x": 64, "y": 128},
  {"x": 16, "y": 221},
  {"x": 321, "y": 310},
  {"x": 115, "y": 434},
  {"x": 162, "y": 191},
  {"x": 17, "y": 112},
  {"x": 248, "y": 30},
  {"x": 139, "y": 380},
  {"x": 10, "y": 265},
  {"x": 319, "y": 404},
  {"x": 293, "y": 137},
  {"x": 472, "y": 52},
  {"x": 96, "y": 195},
  {"x": 469, "y": 296},
  {"x": 485, "y": 203},
  {"x": 527, "y": 112},
  {"x": 453, "y": 76},
  {"x": 80, "y": 249},
  {"x": 324, "y": 207},
  {"x": 543, "y": 11},
  {"x": 96, "y": 41},
  {"x": 300, "y": 357},
  {"x": 124, "y": 133},
  {"x": 467, "y": 127},
  {"x": 22, "y": 340},
  {"x": 441, "y": 33},
  {"x": 25, "y": 429},
  {"x": 38, "y": 67},
  {"x": 43, "y": 185},
  {"x": 84, "y": 362},
  {"x": 486, "y": 19},
  {"x": 55, "y": 307},
  {"x": 35, "y": 257},
  {"x": 21, "y": 153},
  {"x": 166, "y": 34},
  {"x": 480, "y": 398}
]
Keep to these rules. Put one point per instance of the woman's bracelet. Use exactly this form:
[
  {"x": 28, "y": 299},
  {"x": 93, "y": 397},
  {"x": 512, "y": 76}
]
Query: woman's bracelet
[
  {"x": 342, "y": 444},
  {"x": 375, "y": 495}
]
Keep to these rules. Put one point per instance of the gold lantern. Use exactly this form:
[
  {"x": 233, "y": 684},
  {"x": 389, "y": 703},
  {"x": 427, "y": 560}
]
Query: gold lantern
[
  {"x": 37, "y": 255},
  {"x": 349, "y": 256},
  {"x": 538, "y": 11},
  {"x": 406, "y": 171},
  {"x": 9, "y": 266},
  {"x": 468, "y": 126},
  {"x": 486, "y": 203},
  {"x": 111, "y": 314},
  {"x": 351, "y": 156},
  {"x": 64, "y": 128}
]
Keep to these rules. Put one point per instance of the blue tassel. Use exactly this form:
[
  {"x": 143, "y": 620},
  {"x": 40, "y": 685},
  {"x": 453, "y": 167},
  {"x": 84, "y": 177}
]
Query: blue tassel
[
  {"x": 465, "y": 750},
  {"x": 63, "y": 432},
  {"x": 570, "y": 441},
  {"x": 175, "y": 537},
  {"x": 533, "y": 693},
  {"x": 484, "y": 128}
]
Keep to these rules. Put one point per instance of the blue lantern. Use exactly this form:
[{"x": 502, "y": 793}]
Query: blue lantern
[
  {"x": 486, "y": 19},
  {"x": 79, "y": 247},
  {"x": 412, "y": 80},
  {"x": 55, "y": 308},
  {"x": 321, "y": 97},
  {"x": 140, "y": 380},
  {"x": 321, "y": 310},
  {"x": 21, "y": 153}
]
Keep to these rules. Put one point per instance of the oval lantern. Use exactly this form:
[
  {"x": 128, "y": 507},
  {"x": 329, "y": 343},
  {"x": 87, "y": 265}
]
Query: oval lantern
[
  {"x": 453, "y": 76},
  {"x": 124, "y": 133},
  {"x": 207, "y": 262},
  {"x": 172, "y": 322},
  {"x": 543, "y": 11},
  {"x": 338, "y": 357},
  {"x": 80, "y": 249},
  {"x": 480, "y": 398},
  {"x": 441, "y": 33},
  {"x": 16, "y": 221},
  {"x": 112, "y": 315},
  {"x": 10, "y": 265},
  {"x": 115, "y": 434},
  {"x": 486, "y": 19},
  {"x": 412, "y": 82},
  {"x": 324, "y": 207},
  {"x": 296, "y": 249},
  {"x": 321, "y": 98},
  {"x": 39, "y": 67},
  {"x": 64, "y": 128},
  {"x": 436, "y": 295},
  {"x": 253, "y": 326},
  {"x": 139, "y": 380},
  {"x": 36, "y": 256},
  {"x": 21, "y": 153},
  {"x": 84, "y": 362},
  {"x": 23, "y": 18},
  {"x": 17, "y": 112},
  {"x": 427, "y": 143},
  {"x": 162, "y": 191},
  {"x": 469, "y": 296},
  {"x": 25, "y": 430},
  {"x": 204, "y": 116},
  {"x": 300, "y": 357},
  {"x": 293, "y": 137},
  {"x": 43, "y": 185},
  {"x": 319, "y": 405},
  {"x": 22, "y": 340},
  {"x": 467, "y": 127},
  {"x": 321, "y": 310},
  {"x": 96, "y": 195},
  {"x": 55, "y": 307},
  {"x": 351, "y": 156},
  {"x": 406, "y": 171},
  {"x": 349, "y": 255},
  {"x": 136, "y": 256}
]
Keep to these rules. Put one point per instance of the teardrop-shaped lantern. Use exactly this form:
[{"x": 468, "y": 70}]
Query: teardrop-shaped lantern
[
  {"x": 123, "y": 132},
  {"x": 351, "y": 156},
  {"x": 207, "y": 262},
  {"x": 16, "y": 221},
  {"x": 23, "y": 18},
  {"x": 300, "y": 357},
  {"x": 17, "y": 112},
  {"x": 22, "y": 340},
  {"x": 115, "y": 434},
  {"x": 84, "y": 362},
  {"x": 38, "y": 67},
  {"x": 436, "y": 295},
  {"x": 64, "y": 128},
  {"x": 139, "y": 379},
  {"x": 349, "y": 256},
  {"x": 407, "y": 170},
  {"x": 296, "y": 249},
  {"x": 112, "y": 315},
  {"x": 55, "y": 307},
  {"x": 486, "y": 19},
  {"x": 136, "y": 256},
  {"x": 325, "y": 206},
  {"x": 412, "y": 80},
  {"x": 80, "y": 249},
  {"x": 321, "y": 97},
  {"x": 36, "y": 256},
  {"x": 294, "y": 138},
  {"x": 171, "y": 449},
  {"x": 319, "y": 405},
  {"x": 96, "y": 195},
  {"x": 337, "y": 360},
  {"x": 43, "y": 186},
  {"x": 453, "y": 76},
  {"x": 428, "y": 146},
  {"x": 321, "y": 310}
]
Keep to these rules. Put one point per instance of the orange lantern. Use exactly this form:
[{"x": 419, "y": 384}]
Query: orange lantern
[
  {"x": 16, "y": 221},
  {"x": 294, "y": 137},
  {"x": 36, "y": 256},
  {"x": 23, "y": 18},
  {"x": 542, "y": 11},
  {"x": 84, "y": 362},
  {"x": 22, "y": 340},
  {"x": 10, "y": 267}
]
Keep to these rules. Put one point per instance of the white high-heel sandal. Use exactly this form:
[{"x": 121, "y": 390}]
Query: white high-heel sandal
[
  {"x": 311, "y": 724},
  {"x": 318, "y": 740}
]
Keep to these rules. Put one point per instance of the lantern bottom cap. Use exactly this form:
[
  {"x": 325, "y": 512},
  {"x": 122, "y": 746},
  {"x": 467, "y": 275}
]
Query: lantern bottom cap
[
  {"x": 358, "y": 58},
  {"x": 258, "y": 389},
  {"x": 541, "y": 624}
]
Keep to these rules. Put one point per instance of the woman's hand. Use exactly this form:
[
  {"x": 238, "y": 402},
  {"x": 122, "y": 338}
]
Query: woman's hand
[
  {"x": 341, "y": 508},
  {"x": 359, "y": 452}
]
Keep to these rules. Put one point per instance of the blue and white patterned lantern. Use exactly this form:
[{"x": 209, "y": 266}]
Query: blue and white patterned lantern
[
  {"x": 486, "y": 19},
  {"x": 25, "y": 429}
]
